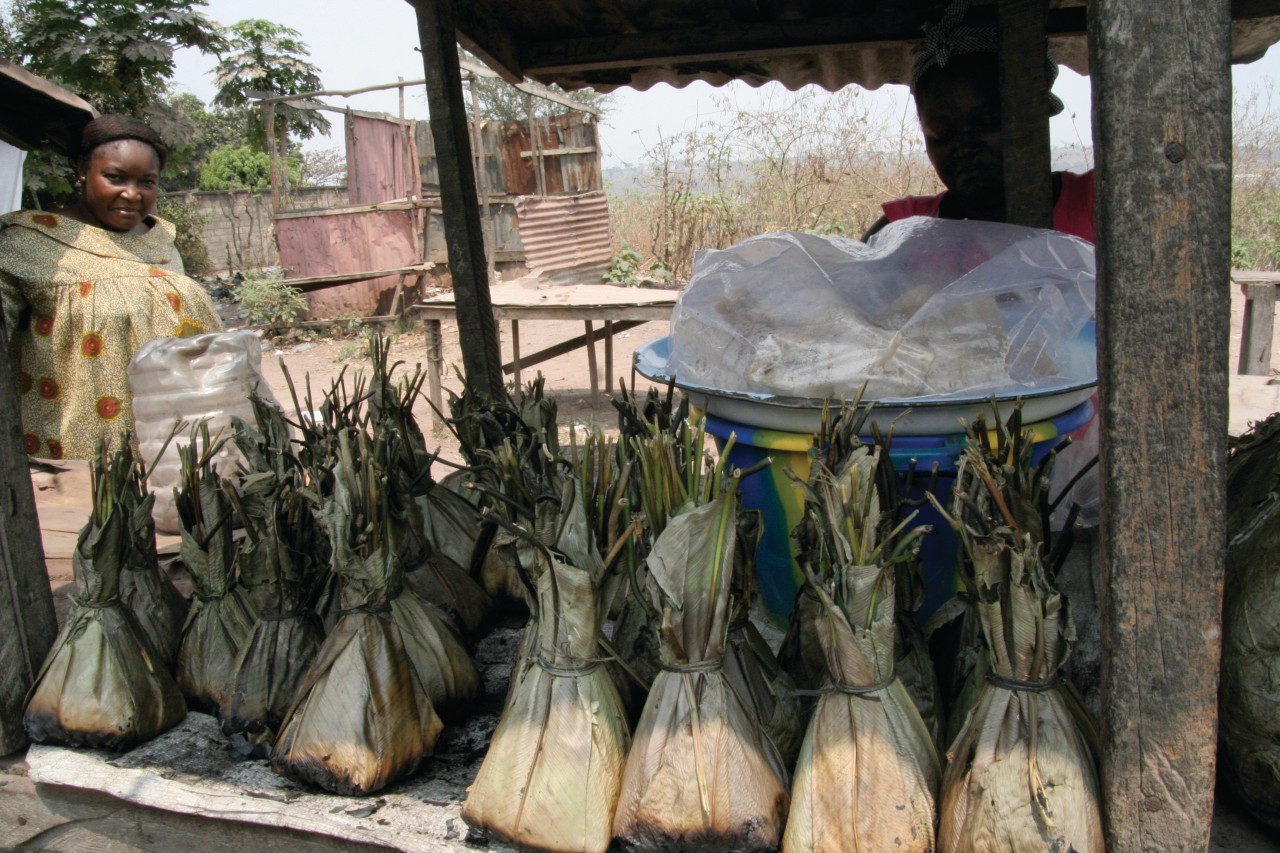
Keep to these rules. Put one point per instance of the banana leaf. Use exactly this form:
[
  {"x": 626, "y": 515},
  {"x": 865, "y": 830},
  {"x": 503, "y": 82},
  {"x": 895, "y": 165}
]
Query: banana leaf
[
  {"x": 221, "y": 616},
  {"x": 440, "y": 580},
  {"x": 1022, "y": 773},
  {"x": 868, "y": 772},
  {"x": 1250, "y": 689},
  {"x": 103, "y": 684},
  {"x": 551, "y": 777},
  {"x": 362, "y": 717},
  {"x": 702, "y": 773},
  {"x": 912, "y": 661}
]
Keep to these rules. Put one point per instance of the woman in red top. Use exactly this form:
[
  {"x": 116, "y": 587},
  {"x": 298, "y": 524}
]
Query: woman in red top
[{"x": 956, "y": 84}]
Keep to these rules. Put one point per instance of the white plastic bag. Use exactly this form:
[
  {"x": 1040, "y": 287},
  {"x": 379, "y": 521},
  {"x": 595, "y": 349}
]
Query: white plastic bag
[
  {"x": 926, "y": 309},
  {"x": 201, "y": 378}
]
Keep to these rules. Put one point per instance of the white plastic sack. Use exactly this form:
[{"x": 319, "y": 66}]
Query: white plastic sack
[
  {"x": 201, "y": 378},
  {"x": 926, "y": 309}
]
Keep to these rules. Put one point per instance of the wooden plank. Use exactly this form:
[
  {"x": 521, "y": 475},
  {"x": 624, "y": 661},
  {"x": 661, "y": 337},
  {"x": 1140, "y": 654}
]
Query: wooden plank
[
  {"x": 1257, "y": 329},
  {"x": 464, "y": 233},
  {"x": 1163, "y": 148},
  {"x": 306, "y": 284},
  {"x": 558, "y": 152},
  {"x": 592, "y": 372},
  {"x": 27, "y": 621},
  {"x": 567, "y": 346},
  {"x": 1024, "y": 114},
  {"x": 410, "y": 204}
]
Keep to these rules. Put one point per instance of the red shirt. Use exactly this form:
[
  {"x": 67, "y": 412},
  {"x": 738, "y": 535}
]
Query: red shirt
[{"x": 1073, "y": 213}]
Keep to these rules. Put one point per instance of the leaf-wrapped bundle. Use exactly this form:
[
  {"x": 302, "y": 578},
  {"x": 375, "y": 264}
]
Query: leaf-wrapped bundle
[
  {"x": 552, "y": 774},
  {"x": 702, "y": 774},
  {"x": 868, "y": 772},
  {"x": 103, "y": 684}
]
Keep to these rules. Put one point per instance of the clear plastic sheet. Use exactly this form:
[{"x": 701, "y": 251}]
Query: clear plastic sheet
[
  {"x": 203, "y": 377},
  {"x": 927, "y": 309}
]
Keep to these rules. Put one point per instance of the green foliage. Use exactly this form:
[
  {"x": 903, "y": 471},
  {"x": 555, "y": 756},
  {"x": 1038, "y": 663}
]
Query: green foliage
[
  {"x": 116, "y": 54},
  {"x": 267, "y": 57},
  {"x": 243, "y": 168},
  {"x": 46, "y": 180},
  {"x": 187, "y": 223},
  {"x": 269, "y": 301},
  {"x": 202, "y": 131},
  {"x": 629, "y": 268}
]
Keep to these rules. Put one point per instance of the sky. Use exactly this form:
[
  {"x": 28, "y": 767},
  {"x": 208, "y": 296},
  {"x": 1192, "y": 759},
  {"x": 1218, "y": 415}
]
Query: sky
[{"x": 374, "y": 41}]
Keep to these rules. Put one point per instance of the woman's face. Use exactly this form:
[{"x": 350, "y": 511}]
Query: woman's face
[
  {"x": 121, "y": 180},
  {"x": 959, "y": 110}
]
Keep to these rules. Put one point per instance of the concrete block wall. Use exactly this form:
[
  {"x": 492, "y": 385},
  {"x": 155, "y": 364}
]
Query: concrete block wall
[{"x": 237, "y": 223}]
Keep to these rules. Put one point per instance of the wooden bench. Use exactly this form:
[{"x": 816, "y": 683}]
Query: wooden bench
[
  {"x": 617, "y": 308},
  {"x": 1259, "y": 290}
]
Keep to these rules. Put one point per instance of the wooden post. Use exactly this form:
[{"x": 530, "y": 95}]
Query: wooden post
[
  {"x": 27, "y": 621},
  {"x": 1028, "y": 185},
  {"x": 481, "y": 357},
  {"x": 273, "y": 172},
  {"x": 1162, "y": 134}
]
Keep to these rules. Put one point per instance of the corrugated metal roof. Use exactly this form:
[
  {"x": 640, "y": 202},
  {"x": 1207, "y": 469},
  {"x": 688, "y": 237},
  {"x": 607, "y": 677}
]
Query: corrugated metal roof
[
  {"x": 564, "y": 232},
  {"x": 831, "y": 43}
]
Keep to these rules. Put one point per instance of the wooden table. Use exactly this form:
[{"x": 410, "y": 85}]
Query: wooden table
[
  {"x": 1259, "y": 290},
  {"x": 617, "y": 308}
]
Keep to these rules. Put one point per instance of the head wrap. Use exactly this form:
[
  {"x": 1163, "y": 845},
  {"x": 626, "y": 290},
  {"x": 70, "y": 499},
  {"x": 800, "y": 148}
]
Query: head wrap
[
  {"x": 112, "y": 128},
  {"x": 947, "y": 39}
]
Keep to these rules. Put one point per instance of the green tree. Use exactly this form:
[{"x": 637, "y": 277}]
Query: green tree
[
  {"x": 267, "y": 57},
  {"x": 116, "y": 54},
  {"x": 243, "y": 168},
  {"x": 203, "y": 130}
]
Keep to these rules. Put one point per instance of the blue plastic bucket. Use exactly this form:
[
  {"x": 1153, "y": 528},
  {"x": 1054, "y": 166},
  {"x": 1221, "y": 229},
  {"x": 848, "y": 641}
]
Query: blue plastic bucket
[{"x": 781, "y": 503}]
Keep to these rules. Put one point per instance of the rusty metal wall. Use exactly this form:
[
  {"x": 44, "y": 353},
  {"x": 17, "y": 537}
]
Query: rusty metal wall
[
  {"x": 576, "y": 172},
  {"x": 564, "y": 232},
  {"x": 336, "y": 243},
  {"x": 380, "y": 158}
]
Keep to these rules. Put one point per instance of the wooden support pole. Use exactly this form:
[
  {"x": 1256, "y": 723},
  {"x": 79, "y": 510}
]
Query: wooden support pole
[
  {"x": 464, "y": 235},
  {"x": 1162, "y": 135},
  {"x": 27, "y": 622},
  {"x": 1024, "y": 113}
]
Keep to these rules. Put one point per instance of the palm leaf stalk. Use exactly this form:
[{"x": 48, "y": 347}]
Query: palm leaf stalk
[
  {"x": 563, "y": 735},
  {"x": 103, "y": 683},
  {"x": 868, "y": 771},
  {"x": 362, "y": 716},
  {"x": 280, "y": 569},
  {"x": 702, "y": 773},
  {"x": 1022, "y": 772}
]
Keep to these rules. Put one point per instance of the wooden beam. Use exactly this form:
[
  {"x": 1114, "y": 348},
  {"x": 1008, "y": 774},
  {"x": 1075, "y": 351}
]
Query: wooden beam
[
  {"x": 27, "y": 622},
  {"x": 745, "y": 40},
  {"x": 492, "y": 42},
  {"x": 464, "y": 234},
  {"x": 1024, "y": 50},
  {"x": 1162, "y": 133}
]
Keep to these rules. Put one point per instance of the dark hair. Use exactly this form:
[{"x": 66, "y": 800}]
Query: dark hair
[{"x": 112, "y": 128}]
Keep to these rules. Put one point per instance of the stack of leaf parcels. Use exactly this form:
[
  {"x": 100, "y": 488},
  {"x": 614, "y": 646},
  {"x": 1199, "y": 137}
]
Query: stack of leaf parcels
[
  {"x": 280, "y": 571},
  {"x": 221, "y": 615},
  {"x": 145, "y": 589},
  {"x": 552, "y": 775},
  {"x": 868, "y": 771},
  {"x": 1021, "y": 774},
  {"x": 363, "y": 716},
  {"x": 702, "y": 773},
  {"x": 103, "y": 683},
  {"x": 1250, "y": 690}
]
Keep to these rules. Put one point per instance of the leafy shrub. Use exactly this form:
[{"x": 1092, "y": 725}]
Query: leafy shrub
[
  {"x": 187, "y": 222},
  {"x": 268, "y": 300},
  {"x": 242, "y": 168},
  {"x": 629, "y": 268}
]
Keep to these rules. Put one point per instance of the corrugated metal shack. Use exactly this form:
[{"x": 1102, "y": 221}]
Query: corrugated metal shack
[{"x": 539, "y": 188}]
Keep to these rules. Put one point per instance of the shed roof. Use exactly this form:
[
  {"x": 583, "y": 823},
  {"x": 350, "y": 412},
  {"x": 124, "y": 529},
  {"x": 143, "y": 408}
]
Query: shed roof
[
  {"x": 831, "y": 43},
  {"x": 39, "y": 113}
]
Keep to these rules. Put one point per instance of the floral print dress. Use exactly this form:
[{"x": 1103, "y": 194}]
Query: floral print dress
[{"x": 78, "y": 302}]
